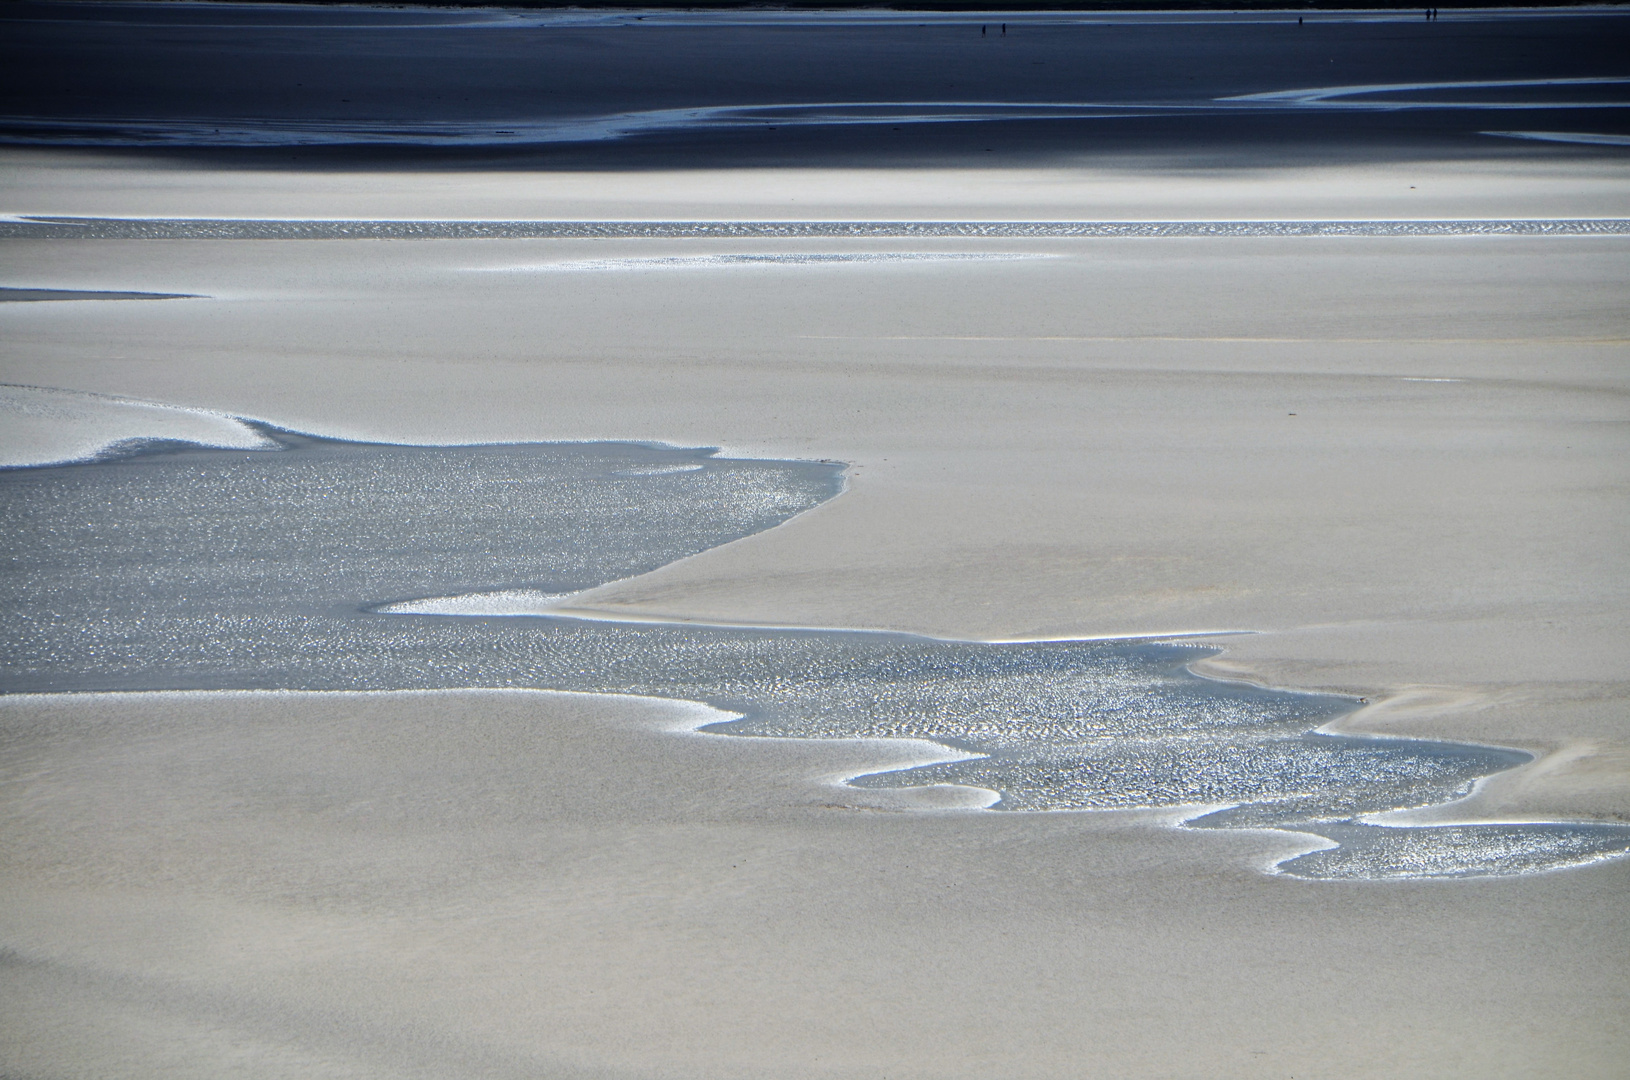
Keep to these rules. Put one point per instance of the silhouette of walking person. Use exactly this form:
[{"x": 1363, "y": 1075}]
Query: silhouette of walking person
[{"x": 981, "y": 30}]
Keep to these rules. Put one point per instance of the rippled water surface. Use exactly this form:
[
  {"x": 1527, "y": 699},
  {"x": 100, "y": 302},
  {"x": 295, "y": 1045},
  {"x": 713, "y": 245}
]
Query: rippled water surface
[
  {"x": 168, "y": 567},
  {"x": 87, "y": 228}
]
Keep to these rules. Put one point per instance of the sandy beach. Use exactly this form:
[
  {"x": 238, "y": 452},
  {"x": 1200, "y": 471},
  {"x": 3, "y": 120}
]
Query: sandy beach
[
  {"x": 526, "y": 884},
  {"x": 1096, "y": 442},
  {"x": 1387, "y": 467}
]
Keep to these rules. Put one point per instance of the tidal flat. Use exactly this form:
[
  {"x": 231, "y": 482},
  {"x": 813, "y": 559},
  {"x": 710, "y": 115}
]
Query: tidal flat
[
  {"x": 1281, "y": 349},
  {"x": 503, "y": 882},
  {"x": 310, "y": 564}
]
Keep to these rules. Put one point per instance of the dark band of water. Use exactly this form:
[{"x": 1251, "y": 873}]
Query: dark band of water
[
  {"x": 178, "y": 567},
  {"x": 89, "y": 228},
  {"x": 12, "y": 295}
]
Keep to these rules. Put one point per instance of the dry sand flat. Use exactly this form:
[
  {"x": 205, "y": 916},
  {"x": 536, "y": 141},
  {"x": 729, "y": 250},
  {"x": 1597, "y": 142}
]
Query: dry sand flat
[
  {"x": 524, "y": 884},
  {"x": 1096, "y": 442}
]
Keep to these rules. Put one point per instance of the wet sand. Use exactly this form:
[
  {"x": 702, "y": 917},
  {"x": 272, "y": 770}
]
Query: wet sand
[
  {"x": 523, "y": 884},
  {"x": 1399, "y": 457},
  {"x": 1100, "y": 442},
  {"x": 1398, "y": 463}
]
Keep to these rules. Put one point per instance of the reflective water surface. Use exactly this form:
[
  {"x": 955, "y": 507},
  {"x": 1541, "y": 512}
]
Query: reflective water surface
[{"x": 172, "y": 566}]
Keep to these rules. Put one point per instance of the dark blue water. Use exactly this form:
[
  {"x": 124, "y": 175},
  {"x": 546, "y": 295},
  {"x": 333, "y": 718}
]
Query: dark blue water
[{"x": 626, "y": 89}]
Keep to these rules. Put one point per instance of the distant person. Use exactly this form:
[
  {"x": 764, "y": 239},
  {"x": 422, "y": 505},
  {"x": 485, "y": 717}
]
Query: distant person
[
  {"x": 981, "y": 29},
  {"x": 1004, "y": 29}
]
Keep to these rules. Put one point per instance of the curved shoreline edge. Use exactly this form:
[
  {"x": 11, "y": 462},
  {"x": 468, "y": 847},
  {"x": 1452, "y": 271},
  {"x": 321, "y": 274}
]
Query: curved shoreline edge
[{"x": 1065, "y": 724}]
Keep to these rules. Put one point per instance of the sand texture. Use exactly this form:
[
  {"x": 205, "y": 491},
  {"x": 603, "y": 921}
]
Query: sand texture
[
  {"x": 1096, "y": 442},
  {"x": 523, "y": 884},
  {"x": 1401, "y": 457},
  {"x": 1391, "y": 467}
]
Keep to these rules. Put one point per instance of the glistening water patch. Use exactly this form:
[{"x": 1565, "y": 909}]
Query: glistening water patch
[
  {"x": 309, "y": 564},
  {"x": 42, "y": 227},
  {"x": 130, "y": 559},
  {"x": 738, "y": 260}
]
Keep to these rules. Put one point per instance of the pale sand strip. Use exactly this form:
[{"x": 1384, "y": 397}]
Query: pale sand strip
[
  {"x": 41, "y": 426},
  {"x": 1104, "y": 188},
  {"x": 521, "y": 884}
]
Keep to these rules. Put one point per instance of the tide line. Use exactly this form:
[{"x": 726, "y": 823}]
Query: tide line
[
  {"x": 1216, "y": 339},
  {"x": 56, "y": 227}
]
